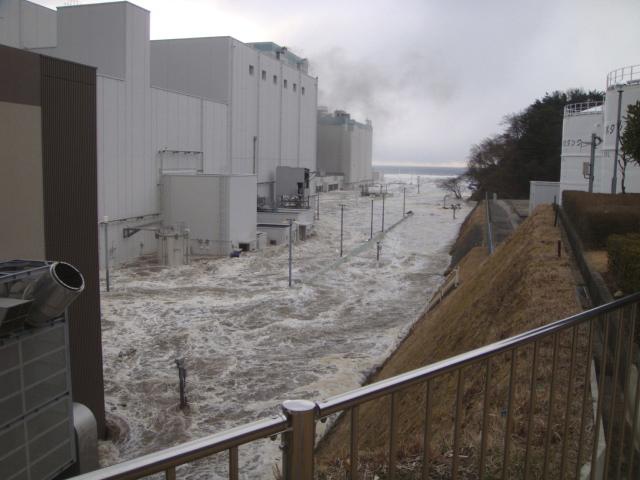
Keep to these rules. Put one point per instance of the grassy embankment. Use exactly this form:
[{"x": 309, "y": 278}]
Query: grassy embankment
[{"x": 522, "y": 286}]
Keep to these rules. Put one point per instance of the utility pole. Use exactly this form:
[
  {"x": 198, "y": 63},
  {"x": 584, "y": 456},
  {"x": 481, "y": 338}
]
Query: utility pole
[
  {"x": 383, "y": 195},
  {"x": 614, "y": 180},
  {"x": 371, "y": 234},
  {"x": 418, "y": 183},
  {"x": 341, "y": 225},
  {"x": 404, "y": 199},
  {"x": 290, "y": 247},
  {"x": 378, "y": 248}
]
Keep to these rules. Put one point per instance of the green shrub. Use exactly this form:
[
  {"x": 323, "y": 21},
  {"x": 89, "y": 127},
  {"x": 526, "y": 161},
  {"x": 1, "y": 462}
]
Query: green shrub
[
  {"x": 595, "y": 216},
  {"x": 624, "y": 261}
]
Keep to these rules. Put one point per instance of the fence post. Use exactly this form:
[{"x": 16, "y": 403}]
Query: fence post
[{"x": 297, "y": 458}]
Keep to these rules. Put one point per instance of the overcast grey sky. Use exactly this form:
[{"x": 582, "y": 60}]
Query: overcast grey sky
[{"x": 435, "y": 77}]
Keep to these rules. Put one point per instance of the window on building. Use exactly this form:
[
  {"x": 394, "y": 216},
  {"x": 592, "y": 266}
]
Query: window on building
[
  {"x": 295, "y": 87},
  {"x": 275, "y": 79},
  {"x": 285, "y": 83},
  {"x": 250, "y": 69},
  {"x": 264, "y": 74},
  {"x": 302, "y": 90}
]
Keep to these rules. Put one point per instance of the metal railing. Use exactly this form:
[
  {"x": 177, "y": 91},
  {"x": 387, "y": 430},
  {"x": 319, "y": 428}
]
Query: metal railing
[
  {"x": 623, "y": 75},
  {"x": 582, "y": 108},
  {"x": 539, "y": 412}
]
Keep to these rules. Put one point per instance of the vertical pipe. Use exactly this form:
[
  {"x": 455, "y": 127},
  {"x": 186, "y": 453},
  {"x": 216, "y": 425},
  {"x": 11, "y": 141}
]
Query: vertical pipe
[
  {"x": 233, "y": 463},
  {"x": 299, "y": 440},
  {"x": 371, "y": 233},
  {"x": 384, "y": 195},
  {"x": 170, "y": 473},
  {"x": 592, "y": 161},
  {"x": 404, "y": 201},
  {"x": 456, "y": 429},
  {"x": 427, "y": 432},
  {"x": 614, "y": 180},
  {"x": 485, "y": 418},
  {"x": 354, "y": 443},
  {"x": 106, "y": 250},
  {"x": 341, "y": 226},
  {"x": 393, "y": 435},
  {"x": 318, "y": 206},
  {"x": 290, "y": 248}
]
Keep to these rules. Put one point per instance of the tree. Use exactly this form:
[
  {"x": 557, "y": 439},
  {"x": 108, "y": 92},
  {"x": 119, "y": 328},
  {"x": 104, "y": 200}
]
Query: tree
[
  {"x": 630, "y": 142},
  {"x": 528, "y": 149},
  {"x": 452, "y": 185}
]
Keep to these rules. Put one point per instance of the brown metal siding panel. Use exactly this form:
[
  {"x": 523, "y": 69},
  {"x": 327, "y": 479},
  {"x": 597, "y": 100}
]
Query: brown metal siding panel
[
  {"x": 68, "y": 94},
  {"x": 19, "y": 76}
]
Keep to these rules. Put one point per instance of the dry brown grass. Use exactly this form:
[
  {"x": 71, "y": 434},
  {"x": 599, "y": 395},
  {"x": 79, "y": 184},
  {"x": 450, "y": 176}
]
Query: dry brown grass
[{"x": 522, "y": 286}]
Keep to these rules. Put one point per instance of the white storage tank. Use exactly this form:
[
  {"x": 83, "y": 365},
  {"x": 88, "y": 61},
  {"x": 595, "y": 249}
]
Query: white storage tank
[
  {"x": 580, "y": 121},
  {"x": 623, "y": 89}
]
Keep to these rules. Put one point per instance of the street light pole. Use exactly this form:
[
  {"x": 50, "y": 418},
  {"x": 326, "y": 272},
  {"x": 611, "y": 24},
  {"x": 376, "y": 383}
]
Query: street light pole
[
  {"x": 371, "y": 234},
  {"x": 404, "y": 199},
  {"x": 418, "y": 183},
  {"x": 383, "y": 195},
  {"x": 341, "y": 225},
  {"x": 290, "y": 247}
]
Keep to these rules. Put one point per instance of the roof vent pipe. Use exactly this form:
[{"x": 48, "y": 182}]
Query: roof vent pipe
[{"x": 53, "y": 292}]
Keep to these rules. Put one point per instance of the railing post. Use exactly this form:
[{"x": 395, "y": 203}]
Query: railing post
[{"x": 297, "y": 458}]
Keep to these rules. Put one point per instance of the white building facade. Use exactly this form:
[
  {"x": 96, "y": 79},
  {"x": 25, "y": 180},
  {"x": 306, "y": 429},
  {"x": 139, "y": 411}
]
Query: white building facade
[
  {"x": 177, "y": 107},
  {"x": 344, "y": 147}
]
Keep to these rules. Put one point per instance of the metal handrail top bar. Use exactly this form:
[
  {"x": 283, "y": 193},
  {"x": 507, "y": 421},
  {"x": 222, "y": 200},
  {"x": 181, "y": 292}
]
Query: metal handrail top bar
[
  {"x": 619, "y": 75},
  {"x": 162, "y": 460},
  {"x": 578, "y": 108},
  {"x": 399, "y": 382}
]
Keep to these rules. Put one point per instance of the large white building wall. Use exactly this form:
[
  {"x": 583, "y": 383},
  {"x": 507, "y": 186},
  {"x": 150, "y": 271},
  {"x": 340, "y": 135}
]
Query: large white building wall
[
  {"x": 189, "y": 133},
  {"x": 308, "y": 122},
  {"x": 577, "y": 127},
  {"x": 630, "y": 95},
  {"x": 269, "y": 123},
  {"x": 26, "y": 25},
  {"x": 244, "y": 108}
]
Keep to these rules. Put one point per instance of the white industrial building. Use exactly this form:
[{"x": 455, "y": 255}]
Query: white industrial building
[
  {"x": 212, "y": 106},
  {"x": 344, "y": 147},
  {"x": 581, "y": 121}
]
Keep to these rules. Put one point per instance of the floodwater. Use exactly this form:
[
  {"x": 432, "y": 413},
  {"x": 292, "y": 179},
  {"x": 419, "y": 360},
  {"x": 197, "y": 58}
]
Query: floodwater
[{"x": 250, "y": 342}]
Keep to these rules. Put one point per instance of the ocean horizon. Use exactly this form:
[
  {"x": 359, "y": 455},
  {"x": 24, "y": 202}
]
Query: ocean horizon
[{"x": 419, "y": 170}]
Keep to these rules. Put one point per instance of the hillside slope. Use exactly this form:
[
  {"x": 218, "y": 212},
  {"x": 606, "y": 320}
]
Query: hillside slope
[{"x": 522, "y": 286}]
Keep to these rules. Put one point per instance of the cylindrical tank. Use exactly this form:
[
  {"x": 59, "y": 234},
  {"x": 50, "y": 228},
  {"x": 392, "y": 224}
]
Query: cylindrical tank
[
  {"x": 623, "y": 85},
  {"x": 581, "y": 120}
]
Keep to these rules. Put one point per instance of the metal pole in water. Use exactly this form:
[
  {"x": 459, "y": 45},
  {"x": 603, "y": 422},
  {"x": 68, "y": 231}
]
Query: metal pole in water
[
  {"x": 182, "y": 378},
  {"x": 371, "y": 234},
  {"x": 106, "y": 250},
  {"x": 318, "y": 206},
  {"x": 418, "y": 183},
  {"x": 383, "y": 195},
  {"x": 290, "y": 248},
  {"x": 341, "y": 225},
  {"x": 378, "y": 251},
  {"x": 404, "y": 199}
]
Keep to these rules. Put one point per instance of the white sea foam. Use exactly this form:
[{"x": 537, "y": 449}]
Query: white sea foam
[{"x": 250, "y": 342}]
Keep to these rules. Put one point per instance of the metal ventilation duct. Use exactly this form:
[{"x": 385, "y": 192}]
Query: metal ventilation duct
[{"x": 53, "y": 292}]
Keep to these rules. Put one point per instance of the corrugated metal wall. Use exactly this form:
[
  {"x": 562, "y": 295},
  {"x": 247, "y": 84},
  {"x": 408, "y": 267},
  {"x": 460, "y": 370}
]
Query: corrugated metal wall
[{"x": 68, "y": 93}]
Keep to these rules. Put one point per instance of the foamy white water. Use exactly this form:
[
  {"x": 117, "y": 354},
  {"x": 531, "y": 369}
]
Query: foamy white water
[{"x": 250, "y": 342}]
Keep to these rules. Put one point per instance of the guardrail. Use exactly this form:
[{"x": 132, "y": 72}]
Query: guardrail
[
  {"x": 623, "y": 75},
  {"x": 556, "y": 427},
  {"x": 581, "y": 108},
  {"x": 452, "y": 281}
]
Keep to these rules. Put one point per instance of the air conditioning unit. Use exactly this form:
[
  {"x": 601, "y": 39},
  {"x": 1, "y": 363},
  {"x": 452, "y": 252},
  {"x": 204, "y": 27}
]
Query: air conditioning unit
[{"x": 36, "y": 420}]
